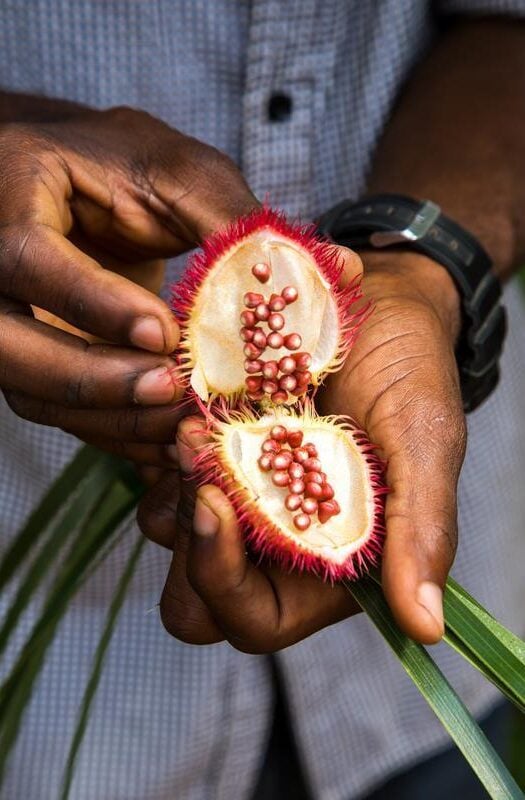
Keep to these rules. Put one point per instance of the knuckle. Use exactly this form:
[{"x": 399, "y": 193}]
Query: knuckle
[
  {"x": 31, "y": 408},
  {"x": 154, "y": 513},
  {"x": 14, "y": 243},
  {"x": 430, "y": 430},
  {"x": 182, "y": 620},
  {"x": 439, "y": 536}
]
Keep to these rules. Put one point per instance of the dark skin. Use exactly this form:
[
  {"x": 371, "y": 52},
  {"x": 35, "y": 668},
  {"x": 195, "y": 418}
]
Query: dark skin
[{"x": 400, "y": 381}]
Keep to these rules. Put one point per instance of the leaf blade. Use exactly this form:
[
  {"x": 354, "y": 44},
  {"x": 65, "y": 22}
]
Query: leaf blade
[{"x": 436, "y": 690}]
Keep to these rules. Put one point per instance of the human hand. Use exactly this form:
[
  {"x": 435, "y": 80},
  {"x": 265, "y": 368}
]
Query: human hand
[
  {"x": 400, "y": 383},
  {"x": 213, "y": 590},
  {"x": 86, "y": 201}
]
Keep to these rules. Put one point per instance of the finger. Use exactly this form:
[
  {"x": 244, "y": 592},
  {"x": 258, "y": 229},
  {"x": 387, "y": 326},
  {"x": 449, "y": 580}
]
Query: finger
[
  {"x": 150, "y": 476},
  {"x": 182, "y": 611},
  {"x": 39, "y": 265},
  {"x": 157, "y": 510},
  {"x": 421, "y": 523},
  {"x": 156, "y": 425},
  {"x": 239, "y": 596},
  {"x": 54, "y": 365},
  {"x": 159, "y": 456},
  {"x": 352, "y": 266}
]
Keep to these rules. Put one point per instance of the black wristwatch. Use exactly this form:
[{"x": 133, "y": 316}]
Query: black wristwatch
[{"x": 396, "y": 221}]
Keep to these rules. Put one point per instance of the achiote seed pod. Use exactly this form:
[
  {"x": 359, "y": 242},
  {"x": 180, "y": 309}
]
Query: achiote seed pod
[{"x": 263, "y": 290}]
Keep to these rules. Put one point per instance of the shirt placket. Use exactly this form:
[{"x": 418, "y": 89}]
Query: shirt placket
[{"x": 284, "y": 78}]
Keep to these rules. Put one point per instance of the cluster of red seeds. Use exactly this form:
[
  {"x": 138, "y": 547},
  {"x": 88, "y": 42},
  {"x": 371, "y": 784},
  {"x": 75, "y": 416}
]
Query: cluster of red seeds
[
  {"x": 276, "y": 379},
  {"x": 296, "y": 467}
]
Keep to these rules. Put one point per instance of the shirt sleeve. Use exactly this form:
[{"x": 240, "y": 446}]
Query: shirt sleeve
[{"x": 480, "y": 7}]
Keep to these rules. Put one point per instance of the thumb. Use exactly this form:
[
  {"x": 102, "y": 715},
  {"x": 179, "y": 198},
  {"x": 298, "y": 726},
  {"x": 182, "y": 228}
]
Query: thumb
[{"x": 421, "y": 520}]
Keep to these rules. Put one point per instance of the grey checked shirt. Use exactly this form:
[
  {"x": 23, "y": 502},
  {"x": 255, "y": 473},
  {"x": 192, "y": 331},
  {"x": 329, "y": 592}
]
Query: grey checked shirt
[{"x": 172, "y": 721}]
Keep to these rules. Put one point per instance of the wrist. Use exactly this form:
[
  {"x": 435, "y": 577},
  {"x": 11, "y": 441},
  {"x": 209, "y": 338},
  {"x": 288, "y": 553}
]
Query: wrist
[{"x": 419, "y": 276}]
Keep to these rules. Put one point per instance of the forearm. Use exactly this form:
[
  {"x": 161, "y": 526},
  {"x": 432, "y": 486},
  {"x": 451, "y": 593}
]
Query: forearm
[
  {"x": 15, "y": 107},
  {"x": 457, "y": 136}
]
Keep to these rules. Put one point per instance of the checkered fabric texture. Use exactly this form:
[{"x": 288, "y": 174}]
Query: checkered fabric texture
[{"x": 172, "y": 721}]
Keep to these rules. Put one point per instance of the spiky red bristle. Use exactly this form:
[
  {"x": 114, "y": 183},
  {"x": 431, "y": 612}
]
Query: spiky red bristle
[{"x": 265, "y": 538}]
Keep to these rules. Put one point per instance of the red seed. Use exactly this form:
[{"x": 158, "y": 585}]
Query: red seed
[
  {"x": 293, "y": 341},
  {"x": 279, "y": 432},
  {"x": 275, "y": 340},
  {"x": 326, "y": 510},
  {"x": 282, "y": 460},
  {"x": 295, "y": 438},
  {"x": 265, "y": 462},
  {"x": 309, "y": 505},
  {"x": 328, "y": 492},
  {"x": 297, "y": 486},
  {"x": 287, "y": 383},
  {"x": 281, "y": 478},
  {"x": 287, "y": 365},
  {"x": 313, "y": 490},
  {"x": 323, "y": 476},
  {"x": 289, "y": 294},
  {"x": 277, "y": 303},
  {"x": 270, "y": 386},
  {"x": 270, "y": 446},
  {"x": 276, "y": 322},
  {"x": 313, "y": 477},
  {"x": 256, "y": 395},
  {"x": 279, "y": 398},
  {"x": 262, "y": 272},
  {"x": 251, "y": 352},
  {"x": 299, "y": 391},
  {"x": 302, "y": 522},
  {"x": 300, "y": 455},
  {"x": 252, "y": 299},
  {"x": 311, "y": 464},
  {"x": 292, "y": 502},
  {"x": 303, "y": 378},
  {"x": 310, "y": 448},
  {"x": 246, "y": 334},
  {"x": 252, "y": 367},
  {"x": 303, "y": 360},
  {"x": 270, "y": 370},
  {"x": 295, "y": 471},
  {"x": 253, "y": 383},
  {"x": 248, "y": 319},
  {"x": 262, "y": 311},
  {"x": 259, "y": 338}
]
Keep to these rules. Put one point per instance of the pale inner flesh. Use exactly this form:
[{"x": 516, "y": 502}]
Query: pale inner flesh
[
  {"x": 346, "y": 470},
  {"x": 213, "y": 340}
]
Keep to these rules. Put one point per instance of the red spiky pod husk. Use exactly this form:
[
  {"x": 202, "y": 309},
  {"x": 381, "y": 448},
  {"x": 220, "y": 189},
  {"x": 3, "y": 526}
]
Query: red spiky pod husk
[
  {"x": 263, "y": 311},
  {"x": 336, "y": 531}
]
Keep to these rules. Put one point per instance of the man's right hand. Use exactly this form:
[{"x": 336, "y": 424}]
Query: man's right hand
[{"x": 128, "y": 189}]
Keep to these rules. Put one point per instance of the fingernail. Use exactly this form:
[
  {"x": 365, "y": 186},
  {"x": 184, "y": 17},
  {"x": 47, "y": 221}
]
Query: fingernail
[
  {"x": 185, "y": 454},
  {"x": 430, "y": 596},
  {"x": 205, "y": 522},
  {"x": 147, "y": 333},
  {"x": 155, "y": 387}
]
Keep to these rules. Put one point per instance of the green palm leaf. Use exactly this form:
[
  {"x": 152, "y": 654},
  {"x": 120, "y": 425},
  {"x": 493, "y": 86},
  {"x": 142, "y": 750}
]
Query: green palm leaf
[
  {"x": 99, "y": 528},
  {"x": 98, "y": 663},
  {"x": 438, "y": 693}
]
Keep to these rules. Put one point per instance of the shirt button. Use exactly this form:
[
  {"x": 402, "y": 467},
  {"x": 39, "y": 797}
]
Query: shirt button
[{"x": 279, "y": 107}]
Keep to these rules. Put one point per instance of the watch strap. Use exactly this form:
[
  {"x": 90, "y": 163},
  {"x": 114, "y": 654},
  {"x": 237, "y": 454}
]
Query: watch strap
[{"x": 397, "y": 221}]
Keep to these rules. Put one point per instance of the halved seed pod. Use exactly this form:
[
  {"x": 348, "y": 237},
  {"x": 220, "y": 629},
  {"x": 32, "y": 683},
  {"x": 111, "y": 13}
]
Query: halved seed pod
[
  {"x": 261, "y": 312},
  {"x": 308, "y": 490}
]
